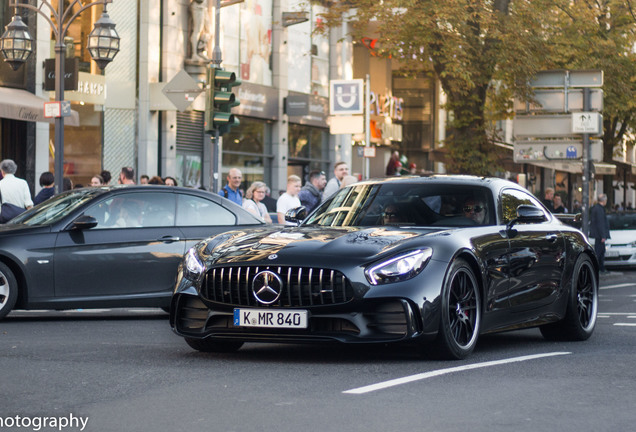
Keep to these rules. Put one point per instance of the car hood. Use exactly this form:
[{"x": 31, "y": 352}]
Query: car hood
[{"x": 291, "y": 244}]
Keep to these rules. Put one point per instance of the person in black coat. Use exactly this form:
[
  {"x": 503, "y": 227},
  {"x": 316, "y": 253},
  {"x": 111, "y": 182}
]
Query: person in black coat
[
  {"x": 599, "y": 230},
  {"x": 47, "y": 181}
]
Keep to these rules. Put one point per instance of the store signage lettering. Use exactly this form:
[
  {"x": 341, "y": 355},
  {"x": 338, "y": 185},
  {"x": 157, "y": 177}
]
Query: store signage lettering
[
  {"x": 387, "y": 105},
  {"x": 28, "y": 115},
  {"x": 90, "y": 88}
]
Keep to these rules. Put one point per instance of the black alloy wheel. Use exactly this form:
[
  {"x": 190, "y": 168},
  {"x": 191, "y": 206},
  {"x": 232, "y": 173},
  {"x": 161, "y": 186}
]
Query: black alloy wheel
[
  {"x": 580, "y": 317},
  {"x": 461, "y": 312}
]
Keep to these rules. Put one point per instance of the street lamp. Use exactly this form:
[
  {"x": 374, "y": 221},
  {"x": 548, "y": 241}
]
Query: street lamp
[{"x": 16, "y": 45}]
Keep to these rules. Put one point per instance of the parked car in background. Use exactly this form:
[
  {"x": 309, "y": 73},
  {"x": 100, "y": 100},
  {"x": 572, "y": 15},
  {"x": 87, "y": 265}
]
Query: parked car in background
[
  {"x": 116, "y": 246},
  {"x": 433, "y": 262},
  {"x": 621, "y": 247}
]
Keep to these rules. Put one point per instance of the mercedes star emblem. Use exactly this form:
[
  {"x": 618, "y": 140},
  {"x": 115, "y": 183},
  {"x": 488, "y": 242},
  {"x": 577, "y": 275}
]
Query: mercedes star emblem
[{"x": 267, "y": 287}]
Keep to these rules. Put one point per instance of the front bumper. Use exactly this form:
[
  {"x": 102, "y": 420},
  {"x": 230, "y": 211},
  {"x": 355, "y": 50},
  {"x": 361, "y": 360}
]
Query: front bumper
[{"x": 358, "y": 321}]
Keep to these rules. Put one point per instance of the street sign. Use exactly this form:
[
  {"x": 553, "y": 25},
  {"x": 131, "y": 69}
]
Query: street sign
[
  {"x": 546, "y": 126},
  {"x": 346, "y": 97},
  {"x": 550, "y": 126},
  {"x": 567, "y": 78},
  {"x": 586, "y": 123},
  {"x": 559, "y": 150},
  {"x": 52, "y": 109},
  {"x": 558, "y": 101},
  {"x": 182, "y": 90},
  {"x": 346, "y": 124}
]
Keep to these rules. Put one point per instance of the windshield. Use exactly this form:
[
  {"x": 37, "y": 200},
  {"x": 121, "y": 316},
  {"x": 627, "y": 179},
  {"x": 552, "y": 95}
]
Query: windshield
[
  {"x": 56, "y": 208},
  {"x": 404, "y": 204}
]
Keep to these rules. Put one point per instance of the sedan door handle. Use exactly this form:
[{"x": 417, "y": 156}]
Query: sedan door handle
[
  {"x": 551, "y": 238},
  {"x": 169, "y": 239}
]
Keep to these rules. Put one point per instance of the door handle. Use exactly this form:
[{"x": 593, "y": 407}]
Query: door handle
[
  {"x": 551, "y": 238},
  {"x": 169, "y": 239}
]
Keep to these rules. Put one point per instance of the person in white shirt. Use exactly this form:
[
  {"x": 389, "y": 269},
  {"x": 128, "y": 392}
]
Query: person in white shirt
[
  {"x": 340, "y": 170},
  {"x": 289, "y": 199},
  {"x": 14, "y": 190}
]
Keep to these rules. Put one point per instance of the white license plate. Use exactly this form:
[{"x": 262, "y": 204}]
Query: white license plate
[
  {"x": 611, "y": 253},
  {"x": 270, "y": 318}
]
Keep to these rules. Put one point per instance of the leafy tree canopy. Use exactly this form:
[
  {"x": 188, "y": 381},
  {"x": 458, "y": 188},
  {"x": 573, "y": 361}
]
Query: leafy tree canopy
[{"x": 484, "y": 52}]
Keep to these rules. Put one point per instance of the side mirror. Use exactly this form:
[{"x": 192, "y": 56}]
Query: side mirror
[
  {"x": 527, "y": 214},
  {"x": 84, "y": 222},
  {"x": 296, "y": 215}
]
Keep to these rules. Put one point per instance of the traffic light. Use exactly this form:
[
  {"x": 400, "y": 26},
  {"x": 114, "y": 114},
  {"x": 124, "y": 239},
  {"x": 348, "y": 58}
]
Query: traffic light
[{"x": 220, "y": 100}]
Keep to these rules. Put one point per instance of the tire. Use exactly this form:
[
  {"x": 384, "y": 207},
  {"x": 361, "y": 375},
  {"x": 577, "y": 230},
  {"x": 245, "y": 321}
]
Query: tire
[
  {"x": 580, "y": 316},
  {"x": 460, "y": 319},
  {"x": 213, "y": 345},
  {"x": 8, "y": 290}
]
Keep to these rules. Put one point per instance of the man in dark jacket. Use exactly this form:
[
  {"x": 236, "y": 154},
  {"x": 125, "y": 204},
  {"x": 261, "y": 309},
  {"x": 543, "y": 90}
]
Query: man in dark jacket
[
  {"x": 599, "y": 229},
  {"x": 311, "y": 194}
]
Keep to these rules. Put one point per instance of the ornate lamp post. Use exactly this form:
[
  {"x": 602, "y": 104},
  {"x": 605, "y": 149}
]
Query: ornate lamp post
[{"x": 16, "y": 45}]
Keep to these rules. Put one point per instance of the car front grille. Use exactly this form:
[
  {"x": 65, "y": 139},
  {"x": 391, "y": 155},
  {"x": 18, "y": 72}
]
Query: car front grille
[{"x": 302, "y": 286}]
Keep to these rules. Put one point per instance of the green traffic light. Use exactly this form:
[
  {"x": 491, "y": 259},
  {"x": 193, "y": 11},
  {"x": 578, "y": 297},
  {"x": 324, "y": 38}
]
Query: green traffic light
[{"x": 220, "y": 100}]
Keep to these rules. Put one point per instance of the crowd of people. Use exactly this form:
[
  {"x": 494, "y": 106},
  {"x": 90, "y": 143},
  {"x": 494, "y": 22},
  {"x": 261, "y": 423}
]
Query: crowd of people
[
  {"x": 15, "y": 195},
  {"x": 259, "y": 202}
]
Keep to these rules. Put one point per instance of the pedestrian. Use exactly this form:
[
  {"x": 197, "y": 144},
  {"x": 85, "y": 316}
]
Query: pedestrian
[
  {"x": 127, "y": 176},
  {"x": 599, "y": 230},
  {"x": 289, "y": 199},
  {"x": 348, "y": 180},
  {"x": 47, "y": 182},
  {"x": 394, "y": 165},
  {"x": 232, "y": 189},
  {"x": 558, "y": 205},
  {"x": 106, "y": 177},
  {"x": 548, "y": 197},
  {"x": 340, "y": 170},
  {"x": 170, "y": 181},
  {"x": 155, "y": 180},
  {"x": 67, "y": 184},
  {"x": 270, "y": 203},
  {"x": 311, "y": 194},
  {"x": 143, "y": 179},
  {"x": 97, "y": 181},
  {"x": 14, "y": 191},
  {"x": 253, "y": 201}
]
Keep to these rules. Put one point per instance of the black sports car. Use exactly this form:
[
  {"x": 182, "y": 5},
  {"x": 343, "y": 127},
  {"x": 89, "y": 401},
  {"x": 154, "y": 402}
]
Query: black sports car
[
  {"x": 107, "y": 246},
  {"x": 441, "y": 259}
]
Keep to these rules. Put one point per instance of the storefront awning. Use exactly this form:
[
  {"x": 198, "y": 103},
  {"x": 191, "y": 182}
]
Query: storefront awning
[
  {"x": 22, "y": 105},
  {"x": 576, "y": 167}
]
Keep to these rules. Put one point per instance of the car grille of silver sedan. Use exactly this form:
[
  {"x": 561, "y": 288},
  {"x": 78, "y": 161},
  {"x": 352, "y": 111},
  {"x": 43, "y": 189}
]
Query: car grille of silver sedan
[{"x": 301, "y": 286}]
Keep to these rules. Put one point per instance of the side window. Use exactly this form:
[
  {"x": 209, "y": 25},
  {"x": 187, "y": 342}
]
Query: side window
[
  {"x": 196, "y": 211},
  {"x": 512, "y": 198},
  {"x": 134, "y": 210}
]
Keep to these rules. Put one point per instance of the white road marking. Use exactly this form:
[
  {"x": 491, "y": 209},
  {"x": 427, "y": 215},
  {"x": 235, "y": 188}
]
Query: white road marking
[
  {"x": 625, "y": 324},
  {"x": 618, "y": 286},
  {"x": 439, "y": 372}
]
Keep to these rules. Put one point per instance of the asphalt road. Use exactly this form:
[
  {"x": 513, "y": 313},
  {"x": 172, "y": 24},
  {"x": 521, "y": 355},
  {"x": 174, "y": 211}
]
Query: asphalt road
[{"x": 124, "y": 370}]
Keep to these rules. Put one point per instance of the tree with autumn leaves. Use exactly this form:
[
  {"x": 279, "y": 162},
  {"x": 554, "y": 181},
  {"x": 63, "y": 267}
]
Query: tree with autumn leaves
[{"x": 485, "y": 52}]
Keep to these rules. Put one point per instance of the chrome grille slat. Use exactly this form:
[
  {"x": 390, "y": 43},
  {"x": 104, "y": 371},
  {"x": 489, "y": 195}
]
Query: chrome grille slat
[{"x": 302, "y": 286}]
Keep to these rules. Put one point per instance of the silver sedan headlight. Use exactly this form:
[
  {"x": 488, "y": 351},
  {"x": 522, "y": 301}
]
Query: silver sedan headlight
[
  {"x": 193, "y": 268},
  {"x": 399, "y": 268}
]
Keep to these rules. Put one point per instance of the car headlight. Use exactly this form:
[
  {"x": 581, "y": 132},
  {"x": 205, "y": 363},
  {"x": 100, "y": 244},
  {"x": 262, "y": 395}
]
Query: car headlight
[
  {"x": 399, "y": 268},
  {"x": 193, "y": 268}
]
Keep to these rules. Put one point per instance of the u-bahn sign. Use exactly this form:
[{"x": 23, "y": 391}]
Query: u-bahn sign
[{"x": 346, "y": 97}]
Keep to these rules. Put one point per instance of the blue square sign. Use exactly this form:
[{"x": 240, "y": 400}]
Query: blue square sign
[{"x": 346, "y": 97}]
